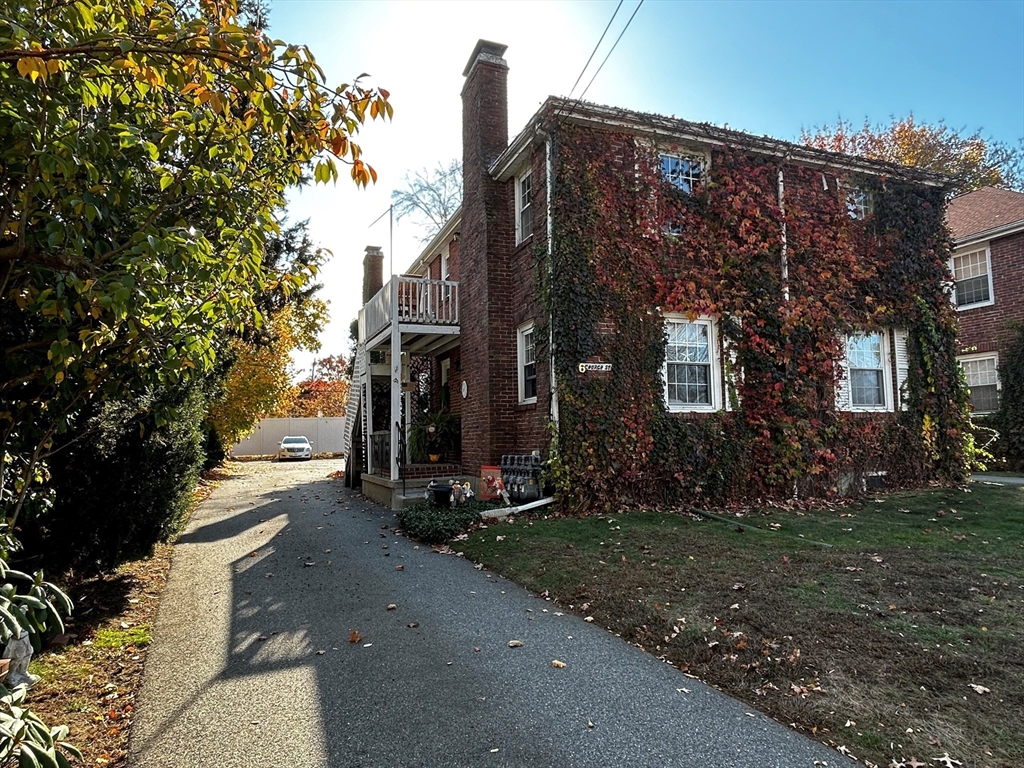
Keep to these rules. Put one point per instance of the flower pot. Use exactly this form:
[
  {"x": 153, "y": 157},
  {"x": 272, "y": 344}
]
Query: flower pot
[{"x": 434, "y": 458}]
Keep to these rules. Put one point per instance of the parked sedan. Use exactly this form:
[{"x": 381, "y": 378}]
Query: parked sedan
[{"x": 295, "y": 448}]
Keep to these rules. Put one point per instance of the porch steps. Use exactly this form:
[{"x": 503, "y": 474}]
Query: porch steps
[{"x": 353, "y": 404}]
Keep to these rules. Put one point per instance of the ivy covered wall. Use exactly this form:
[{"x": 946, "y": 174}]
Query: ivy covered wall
[{"x": 629, "y": 247}]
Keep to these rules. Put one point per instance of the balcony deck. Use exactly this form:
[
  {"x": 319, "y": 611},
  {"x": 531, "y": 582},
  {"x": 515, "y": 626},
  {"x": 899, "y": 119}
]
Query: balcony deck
[{"x": 427, "y": 313}]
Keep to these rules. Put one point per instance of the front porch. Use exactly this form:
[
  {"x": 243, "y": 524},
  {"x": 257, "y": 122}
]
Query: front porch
[{"x": 409, "y": 317}]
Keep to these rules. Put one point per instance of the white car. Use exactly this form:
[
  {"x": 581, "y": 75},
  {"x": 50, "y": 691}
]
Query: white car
[{"x": 295, "y": 448}]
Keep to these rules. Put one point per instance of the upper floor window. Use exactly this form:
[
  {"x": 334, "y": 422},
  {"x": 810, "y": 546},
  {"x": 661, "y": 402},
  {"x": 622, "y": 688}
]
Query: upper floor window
[
  {"x": 983, "y": 378},
  {"x": 524, "y": 207},
  {"x": 683, "y": 172},
  {"x": 527, "y": 363},
  {"x": 858, "y": 202},
  {"x": 972, "y": 276},
  {"x": 692, "y": 366}
]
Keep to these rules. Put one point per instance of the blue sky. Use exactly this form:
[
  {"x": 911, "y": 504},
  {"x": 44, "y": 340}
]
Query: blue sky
[{"x": 763, "y": 67}]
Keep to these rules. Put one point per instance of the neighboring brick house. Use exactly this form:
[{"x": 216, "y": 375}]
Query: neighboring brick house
[
  {"x": 664, "y": 360},
  {"x": 987, "y": 226}
]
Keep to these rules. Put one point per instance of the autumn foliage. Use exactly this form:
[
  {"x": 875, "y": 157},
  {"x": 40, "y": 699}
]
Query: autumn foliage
[{"x": 629, "y": 247}]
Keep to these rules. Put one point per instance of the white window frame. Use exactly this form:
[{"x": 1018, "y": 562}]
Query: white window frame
[
  {"x": 524, "y": 203},
  {"x": 845, "y": 388},
  {"x": 524, "y": 330},
  {"x": 994, "y": 357},
  {"x": 715, "y": 360},
  {"x": 859, "y": 201},
  {"x": 702, "y": 159},
  {"x": 965, "y": 251},
  {"x": 446, "y": 273}
]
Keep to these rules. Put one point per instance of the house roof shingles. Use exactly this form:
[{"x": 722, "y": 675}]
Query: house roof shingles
[{"x": 984, "y": 210}]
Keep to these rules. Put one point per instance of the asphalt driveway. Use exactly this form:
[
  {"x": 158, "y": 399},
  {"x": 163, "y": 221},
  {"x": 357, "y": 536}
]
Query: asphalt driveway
[{"x": 252, "y": 664}]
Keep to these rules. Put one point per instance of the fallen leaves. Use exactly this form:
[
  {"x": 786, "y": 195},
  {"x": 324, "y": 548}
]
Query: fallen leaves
[
  {"x": 354, "y": 636},
  {"x": 558, "y": 664}
]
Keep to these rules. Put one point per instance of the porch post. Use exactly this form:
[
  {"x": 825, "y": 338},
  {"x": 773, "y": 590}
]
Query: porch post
[
  {"x": 396, "y": 376},
  {"x": 367, "y": 385}
]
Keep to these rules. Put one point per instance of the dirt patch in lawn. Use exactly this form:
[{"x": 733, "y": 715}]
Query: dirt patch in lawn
[{"x": 904, "y": 639}]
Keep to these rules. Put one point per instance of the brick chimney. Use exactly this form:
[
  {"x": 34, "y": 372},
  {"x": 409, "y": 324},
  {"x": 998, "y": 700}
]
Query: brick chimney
[
  {"x": 373, "y": 272},
  {"x": 487, "y": 239}
]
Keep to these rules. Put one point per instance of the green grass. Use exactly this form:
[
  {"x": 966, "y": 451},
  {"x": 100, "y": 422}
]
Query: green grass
[
  {"x": 122, "y": 638},
  {"x": 918, "y": 596}
]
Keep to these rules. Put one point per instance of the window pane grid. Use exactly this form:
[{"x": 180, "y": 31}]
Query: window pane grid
[
  {"x": 525, "y": 207},
  {"x": 981, "y": 372},
  {"x": 973, "y": 264},
  {"x": 864, "y": 357},
  {"x": 688, "y": 363},
  {"x": 681, "y": 171}
]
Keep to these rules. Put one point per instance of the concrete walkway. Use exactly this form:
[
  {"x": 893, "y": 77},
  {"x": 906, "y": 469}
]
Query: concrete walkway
[
  {"x": 252, "y": 665},
  {"x": 1011, "y": 480}
]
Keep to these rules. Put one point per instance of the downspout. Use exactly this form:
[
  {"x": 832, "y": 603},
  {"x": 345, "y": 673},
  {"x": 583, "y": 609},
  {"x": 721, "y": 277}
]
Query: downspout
[
  {"x": 550, "y": 187},
  {"x": 785, "y": 245}
]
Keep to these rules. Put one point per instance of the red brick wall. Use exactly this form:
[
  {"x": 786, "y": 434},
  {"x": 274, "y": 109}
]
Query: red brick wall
[
  {"x": 486, "y": 242},
  {"x": 984, "y": 329}
]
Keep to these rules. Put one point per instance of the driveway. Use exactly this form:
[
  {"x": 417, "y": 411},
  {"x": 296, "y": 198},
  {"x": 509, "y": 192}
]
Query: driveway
[{"x": 252, "y": 664}]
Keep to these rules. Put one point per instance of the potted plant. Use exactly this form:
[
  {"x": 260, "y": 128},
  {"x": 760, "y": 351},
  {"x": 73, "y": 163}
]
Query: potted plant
[{"x": 434, "y": 435}]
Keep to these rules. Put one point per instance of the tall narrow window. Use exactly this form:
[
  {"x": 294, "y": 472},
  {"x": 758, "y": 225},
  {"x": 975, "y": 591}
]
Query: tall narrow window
[
  {"x": 866, "y": 360},
  {"x": 527, "y": 364},
  {"x": 983, "y": 379},
  {"x": 683, "y": 171},
  {"x": 971, "y": 274},
  {"x": 691, "y": 366},
  {"x": 524, "y": 207}
]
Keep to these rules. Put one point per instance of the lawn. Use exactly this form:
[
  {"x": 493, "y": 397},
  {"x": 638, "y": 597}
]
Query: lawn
[{"x": 893, "y": 628}]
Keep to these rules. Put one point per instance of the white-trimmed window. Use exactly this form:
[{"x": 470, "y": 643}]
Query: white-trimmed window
[
  {"x": 866, "y": 380},
  {"x": 524, "y": 207},
  {"x": 972, "y": 277},
  {"x": 982, "y": 372},
  {"x": 858, "y": 202},
  {"x": 527, "y": 363},
  {"x": 683, "y": 171},
  {"x": 692, "y": 367},
  {"x": 446, "y": 273}
]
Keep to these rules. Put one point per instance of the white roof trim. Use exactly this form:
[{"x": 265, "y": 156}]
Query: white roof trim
[
  {"x": 667, "y": 129},
  {"x": 991, "y": 234}
]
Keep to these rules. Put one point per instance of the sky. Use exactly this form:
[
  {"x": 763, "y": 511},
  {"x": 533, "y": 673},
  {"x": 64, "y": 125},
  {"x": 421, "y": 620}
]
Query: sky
[{"x": 767, "y": 68}]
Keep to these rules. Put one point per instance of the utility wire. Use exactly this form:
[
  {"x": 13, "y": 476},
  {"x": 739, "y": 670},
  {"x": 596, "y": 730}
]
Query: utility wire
[
  {"x": 583, "y": 71},
  {"x": 580, "y": 99},
  {"x": 610, "y": 52}
]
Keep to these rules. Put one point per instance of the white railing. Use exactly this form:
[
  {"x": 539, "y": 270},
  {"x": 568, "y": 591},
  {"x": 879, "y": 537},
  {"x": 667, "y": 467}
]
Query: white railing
[{"x": 410, "y": 300}]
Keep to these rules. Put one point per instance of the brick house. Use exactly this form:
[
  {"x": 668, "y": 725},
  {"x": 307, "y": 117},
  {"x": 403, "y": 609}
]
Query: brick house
[
  {"x": 987, "y": 226},
  {"x": 615, "y": 253}
]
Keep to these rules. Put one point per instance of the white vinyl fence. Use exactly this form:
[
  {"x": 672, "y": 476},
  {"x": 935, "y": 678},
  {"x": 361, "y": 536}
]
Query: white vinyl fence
[{"x": 326, "y": 434}]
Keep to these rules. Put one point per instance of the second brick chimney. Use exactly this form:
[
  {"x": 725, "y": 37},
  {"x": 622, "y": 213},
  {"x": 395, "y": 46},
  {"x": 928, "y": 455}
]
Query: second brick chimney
[{"x": 373, "y": 272}]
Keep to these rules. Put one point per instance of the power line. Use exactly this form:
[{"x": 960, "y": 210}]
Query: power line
[
  {"x": 608, "y": 54},
  {"x": 583, "y": 71}
]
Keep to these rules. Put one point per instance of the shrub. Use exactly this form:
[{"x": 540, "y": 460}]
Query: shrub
[
  {"x": 213, "y": 447},
  {"x": 123, "y": 484},
  {"x": 1009, "y": 420},
  {"x": 433, "y": 524}
]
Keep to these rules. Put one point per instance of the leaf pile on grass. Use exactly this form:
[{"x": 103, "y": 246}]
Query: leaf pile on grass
[
  {"x": 91, "y": 683},
  {"x": 903, "y": 639}
]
